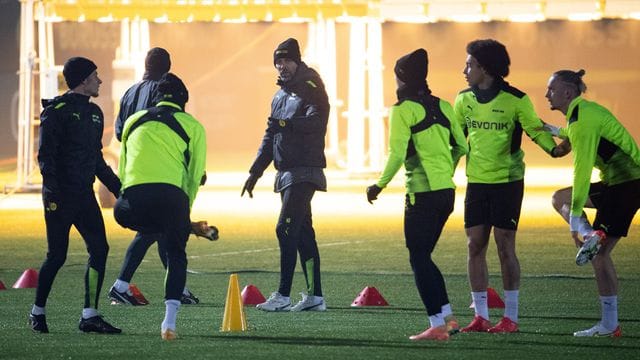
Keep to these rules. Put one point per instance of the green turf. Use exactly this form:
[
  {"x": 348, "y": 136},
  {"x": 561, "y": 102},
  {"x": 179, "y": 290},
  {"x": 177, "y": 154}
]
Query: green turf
[{"x": 557, "y": 297}]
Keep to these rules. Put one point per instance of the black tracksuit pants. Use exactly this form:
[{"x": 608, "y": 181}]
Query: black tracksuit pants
[
  {"x": 136, "y": 252},
  {"x": 83, "y": 212},
  {"x": 296, "y": 235},
  {"x": 424, "y": 218},
  {"x": 160, "y": 208}
]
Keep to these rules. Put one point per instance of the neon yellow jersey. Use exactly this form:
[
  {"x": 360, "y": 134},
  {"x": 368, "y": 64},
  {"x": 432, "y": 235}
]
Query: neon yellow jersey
[
  {"x": 435, "y": 150},
  {"x": 598, "y": 140},
  {"x": 494, "y": 131},
  {"x": 156, "y": 154}
]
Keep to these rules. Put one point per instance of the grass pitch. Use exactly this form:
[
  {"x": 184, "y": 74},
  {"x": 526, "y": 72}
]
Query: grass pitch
[{"x": 557, "y": 297}]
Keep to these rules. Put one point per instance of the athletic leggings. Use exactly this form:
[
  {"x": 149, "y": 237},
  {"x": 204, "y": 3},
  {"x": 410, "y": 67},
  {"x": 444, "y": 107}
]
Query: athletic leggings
[
  {"x": 296, "y": 235},
  {"x": 83, "y": 212},
  {"x": 160, "y": 208},
  {"x": 136, "y": 252},
  {"x": 424, "y": 217}
]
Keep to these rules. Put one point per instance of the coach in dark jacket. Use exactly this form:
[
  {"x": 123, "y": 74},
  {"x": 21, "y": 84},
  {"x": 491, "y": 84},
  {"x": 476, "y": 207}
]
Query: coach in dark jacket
[
  {"x": 294, "y": 141},
  {"x": 70, "y": 157}
]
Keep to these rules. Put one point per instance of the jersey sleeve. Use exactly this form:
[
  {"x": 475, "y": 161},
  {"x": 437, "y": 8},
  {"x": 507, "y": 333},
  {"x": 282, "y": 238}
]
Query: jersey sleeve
[
  {"x": 48, "y": 150},
  {"x": 399, "y": 135},
  {"x": 532, "y": 125},
  {"x": 459, "y": 146},
  {"x": 198, "y": 159},
  {"x": 584, "y": 137}
]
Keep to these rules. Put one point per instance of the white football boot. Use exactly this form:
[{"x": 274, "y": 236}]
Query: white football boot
[
  {"x": 276, "y": 302},
  {"x": 599, "y": 330},
  {"x": 310, "y": 303}
]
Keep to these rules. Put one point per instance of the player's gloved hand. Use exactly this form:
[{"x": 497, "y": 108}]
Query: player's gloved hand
[
  {"x": 372, "y": 193},
  {"x": 249, "y": 184},
  {"x": 561, "y": 149},
  {"x": 579, "y": 225},
  {"x": 202, "y": 228},
  {"x": 554, "y": 130},
  {"x": 51, "y": 201}
]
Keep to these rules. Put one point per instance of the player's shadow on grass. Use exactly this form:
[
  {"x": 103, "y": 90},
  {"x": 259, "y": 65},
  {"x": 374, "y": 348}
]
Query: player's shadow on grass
[{"x": 341, "y": 342}]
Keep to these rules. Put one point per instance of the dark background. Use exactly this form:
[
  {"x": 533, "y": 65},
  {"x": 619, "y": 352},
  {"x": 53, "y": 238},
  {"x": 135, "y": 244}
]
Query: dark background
[{"x": 229, "y": 71}]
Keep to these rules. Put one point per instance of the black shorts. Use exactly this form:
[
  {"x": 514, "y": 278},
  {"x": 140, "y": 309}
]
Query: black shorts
[
  {"x": 493, "y": 204},
  {"x": 616, "y": 206}
]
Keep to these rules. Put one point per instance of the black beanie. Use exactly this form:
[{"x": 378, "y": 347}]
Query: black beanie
[
  {"x": 288, "y": 49},
  {"x": 491, "y": 55},
  {"x": 412, "y": 68},
  {"x": 157, "y": 61},
  {"x": 76, "y": 69},
  {"x": 172, "y": 89}
]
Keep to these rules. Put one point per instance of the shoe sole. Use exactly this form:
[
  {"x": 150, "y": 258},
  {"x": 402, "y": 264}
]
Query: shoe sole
[
  {"x": 317, "y": 307},
  {"x": 281, "y": 309}
]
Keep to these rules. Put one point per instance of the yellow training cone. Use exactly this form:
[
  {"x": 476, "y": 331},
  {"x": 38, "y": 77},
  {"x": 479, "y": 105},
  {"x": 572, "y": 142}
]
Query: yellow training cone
[{"x": 234, "y": 318}]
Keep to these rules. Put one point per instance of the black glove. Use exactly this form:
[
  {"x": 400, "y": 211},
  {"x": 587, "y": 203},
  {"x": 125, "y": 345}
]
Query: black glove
[
  {"x": 51, "y": 201},
  {"x": 203, "y": 179},
  {"x": 372, "y": 193},
  {"x": 249, "y": 185}
]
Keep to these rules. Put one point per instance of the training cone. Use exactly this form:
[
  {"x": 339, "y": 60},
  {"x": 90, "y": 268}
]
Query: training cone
[
  {"x": 2, "y": 287},
  {"x": 369, "y": 296},
  {"x": 28, "y": 279},
  {"x": 252, "y": 296},
  {"x": 493, "y": 301},
  {"x": 234, "y": 318}
]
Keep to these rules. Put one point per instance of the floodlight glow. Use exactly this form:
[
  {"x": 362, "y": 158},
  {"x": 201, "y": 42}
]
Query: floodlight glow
[
  {"x": 634, "y": 15},
  {"x": 526, "y": 18},
  {"x": 162, "y": 19},
  {"x": 589, "y": 16},
  {"x": 414, "y": 19},
  {"x": 105, "y": 19},
  {"x": 470, "y": 18}
]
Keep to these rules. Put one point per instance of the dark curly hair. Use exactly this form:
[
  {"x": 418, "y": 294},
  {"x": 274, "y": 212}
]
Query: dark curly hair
[{"x": 491, "y": 55}]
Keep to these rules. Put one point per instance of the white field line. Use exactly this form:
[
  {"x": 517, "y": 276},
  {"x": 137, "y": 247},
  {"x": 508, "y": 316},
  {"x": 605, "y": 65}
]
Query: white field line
[{"x": 253, "y": 251}]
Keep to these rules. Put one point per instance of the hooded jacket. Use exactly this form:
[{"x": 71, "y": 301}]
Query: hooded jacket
[
  {"x": 155, "y": 153},
  {"x": 138, "y": 97},
  {"x": 297, "y": 126},
  {"x": 70, "y": 151}
]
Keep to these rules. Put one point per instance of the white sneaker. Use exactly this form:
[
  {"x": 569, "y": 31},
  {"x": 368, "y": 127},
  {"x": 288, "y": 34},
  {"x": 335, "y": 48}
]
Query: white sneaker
[
  {"x": 276, "y": 302},
  {"x": 310, "y": 303},
  {"x": 590, "y": 248},
  {"x": 599, "y": 330}
]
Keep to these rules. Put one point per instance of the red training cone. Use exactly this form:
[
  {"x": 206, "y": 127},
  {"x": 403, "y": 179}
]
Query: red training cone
[
  {"x": 28, "y": 279},
  {"x": 138, "y": 294},
  {"x": 493, "y": 301},
  {"x": 369, "y": 296},
  {"x": 2, "y": 287},
  {"x": 252, "y": 296}
]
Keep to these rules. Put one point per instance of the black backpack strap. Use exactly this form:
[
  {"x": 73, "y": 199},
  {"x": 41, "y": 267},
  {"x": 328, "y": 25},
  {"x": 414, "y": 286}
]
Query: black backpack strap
[
  {"x": 433, "y": 115},
  {"x": 164, "y": 115}
]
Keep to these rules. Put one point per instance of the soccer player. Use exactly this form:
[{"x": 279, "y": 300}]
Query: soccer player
[
  {"x": 598, "y": 140},
  {"x": 138, "y": 97},
  {"x": 423, "y": 137},
  {"x": 494, "y": 115},
  {"x": 162, "y": 164},
  {"x": 294, "y": 142},
  {"x": 70, "y": 158}
]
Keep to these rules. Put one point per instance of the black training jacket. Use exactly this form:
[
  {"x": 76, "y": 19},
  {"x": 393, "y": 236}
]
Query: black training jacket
[
  {"x": 70, "y": 151},
  {"x": 138, "y": 97},
  {"x": 296, "y": 128}
]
